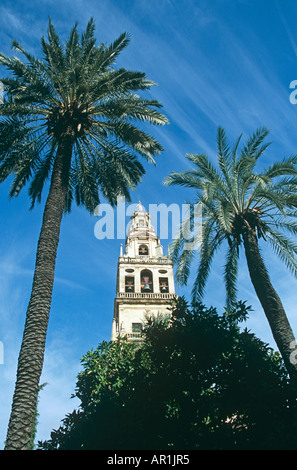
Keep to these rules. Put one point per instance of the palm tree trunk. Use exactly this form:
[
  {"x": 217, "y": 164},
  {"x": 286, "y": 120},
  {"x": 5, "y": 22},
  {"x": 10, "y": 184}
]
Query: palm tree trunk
[
  {"x": 270, "y": 301},
  {"x": 30, "y": 362}
]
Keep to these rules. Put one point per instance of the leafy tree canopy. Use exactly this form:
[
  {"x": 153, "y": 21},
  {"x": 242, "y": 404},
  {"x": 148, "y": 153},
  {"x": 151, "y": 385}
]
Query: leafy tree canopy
[{"x": 197, "y": 382}]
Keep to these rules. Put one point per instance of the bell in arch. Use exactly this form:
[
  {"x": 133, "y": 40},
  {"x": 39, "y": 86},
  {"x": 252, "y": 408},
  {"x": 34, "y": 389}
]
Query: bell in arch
[
  {"x": 129, "y": 284},
  {"x": 146, "y": 286},
  {"x": 164, "y": 285},
  {"x": 146, "y": 281}
]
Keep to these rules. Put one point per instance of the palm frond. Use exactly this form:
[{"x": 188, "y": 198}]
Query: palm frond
[
  {"x": 211, "y": 242},
  {"x": 251, "y": 152},
  {"x": 224, "y": 157},
  {"x": 53, "y": 49},
  {"x": 284, "y": 248},
  {"x": 183, "y": 267},
  {"x": 110, "y": 53},
  {"x": 41, "y": 174},
  {"x": 285, "y": 167},
  {"x": 187, "y": 179}
]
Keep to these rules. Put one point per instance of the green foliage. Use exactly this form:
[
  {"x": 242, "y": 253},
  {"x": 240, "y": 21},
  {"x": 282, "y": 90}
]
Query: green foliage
[
  {"x": 76, "y": 89},
  {"x": 234, "y": 197},
  {"x": 197, "y": 382},
  {"x": 105, "y": 371}
]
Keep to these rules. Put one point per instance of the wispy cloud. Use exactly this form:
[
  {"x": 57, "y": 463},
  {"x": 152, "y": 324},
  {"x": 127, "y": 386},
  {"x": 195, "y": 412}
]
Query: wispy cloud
[
  {"x": 286, "y": 26},
  {"x": 60, "y": 374},
  {"x": 11, "y": 20}
]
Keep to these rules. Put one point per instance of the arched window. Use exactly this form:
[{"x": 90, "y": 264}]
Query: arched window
[
  {"x": 146, "y": 281},
  {"x": 143, "y": 250},
  {"x": 129, "y": 284},
  {"x": 164, "y": 288}
]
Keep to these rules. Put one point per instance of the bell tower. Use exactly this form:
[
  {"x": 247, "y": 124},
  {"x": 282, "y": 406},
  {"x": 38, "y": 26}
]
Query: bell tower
[{"x": 145, "y": 282}]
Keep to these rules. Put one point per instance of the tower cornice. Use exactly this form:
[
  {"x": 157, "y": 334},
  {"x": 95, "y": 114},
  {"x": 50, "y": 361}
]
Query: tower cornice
[{"x": 144, "y": 260}]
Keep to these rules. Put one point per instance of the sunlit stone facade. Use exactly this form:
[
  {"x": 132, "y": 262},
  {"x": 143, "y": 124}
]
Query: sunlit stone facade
[{"x": 145, "y": 282}]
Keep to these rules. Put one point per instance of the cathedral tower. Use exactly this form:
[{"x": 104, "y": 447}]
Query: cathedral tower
[{"x": 145, "y": 282}]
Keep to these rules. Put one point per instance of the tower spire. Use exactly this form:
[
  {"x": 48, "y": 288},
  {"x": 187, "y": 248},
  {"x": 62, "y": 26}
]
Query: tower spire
[
  {"x": 139, "y": 206},
  {"x": 145, "y": 282}
]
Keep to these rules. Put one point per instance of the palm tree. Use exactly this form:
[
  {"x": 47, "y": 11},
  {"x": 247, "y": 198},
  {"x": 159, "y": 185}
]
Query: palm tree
[
  {"x": 69, "y": 119},
  {"x": 241, "y": 206}
]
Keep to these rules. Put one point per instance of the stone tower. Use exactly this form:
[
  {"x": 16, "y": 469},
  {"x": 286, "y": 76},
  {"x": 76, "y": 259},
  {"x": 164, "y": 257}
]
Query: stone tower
[{"x": 145, "y": 282}]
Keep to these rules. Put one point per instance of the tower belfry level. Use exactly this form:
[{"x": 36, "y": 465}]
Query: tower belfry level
[{"x": 145, "y": 282}]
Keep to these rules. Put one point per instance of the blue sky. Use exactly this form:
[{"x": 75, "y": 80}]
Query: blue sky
[{"x": 216, "y": 62}]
